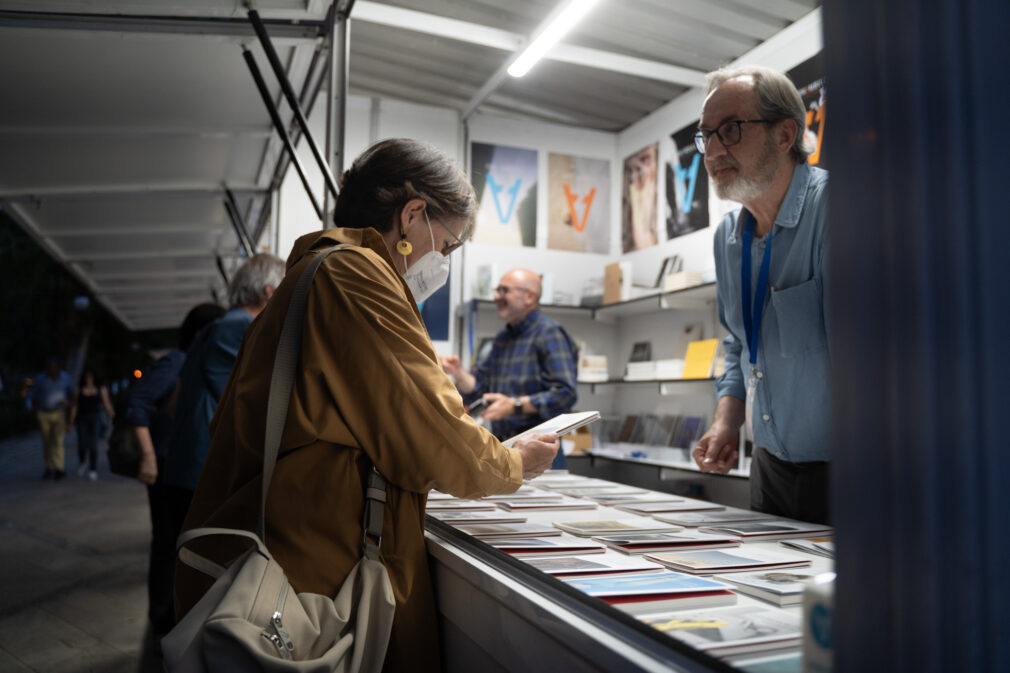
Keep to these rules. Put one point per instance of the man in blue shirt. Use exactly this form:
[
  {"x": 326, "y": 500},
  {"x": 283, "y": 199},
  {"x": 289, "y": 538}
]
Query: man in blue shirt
[
  {"x": 204, "y": 375},
  {"x": 529, "y": 377},
  {"x": 50, "y": 396},
  {"x": 770, "y": 262}
]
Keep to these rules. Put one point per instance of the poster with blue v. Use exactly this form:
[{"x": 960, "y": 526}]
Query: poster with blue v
[{"x": 505, "y": 179}]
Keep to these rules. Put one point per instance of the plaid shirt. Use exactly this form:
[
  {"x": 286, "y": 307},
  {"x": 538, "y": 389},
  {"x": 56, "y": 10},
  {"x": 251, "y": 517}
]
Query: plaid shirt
[{"x": 534, "y": 357}]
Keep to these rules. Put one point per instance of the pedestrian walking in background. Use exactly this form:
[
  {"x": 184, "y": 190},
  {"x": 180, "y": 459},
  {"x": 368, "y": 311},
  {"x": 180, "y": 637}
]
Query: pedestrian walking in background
[
  {"x": 86, "y": 415},
  {"x": 50, "y": 397}
]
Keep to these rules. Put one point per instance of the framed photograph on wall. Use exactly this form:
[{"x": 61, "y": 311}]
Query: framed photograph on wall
[
  {"x": 638, "y": 200},
  {"x": 505, "y": 179},
  {"x": 578, "y": 203}
]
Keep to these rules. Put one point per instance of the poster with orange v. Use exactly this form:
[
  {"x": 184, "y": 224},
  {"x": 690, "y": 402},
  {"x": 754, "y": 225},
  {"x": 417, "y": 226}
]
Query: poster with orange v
[{"x": 578, "y": 203}]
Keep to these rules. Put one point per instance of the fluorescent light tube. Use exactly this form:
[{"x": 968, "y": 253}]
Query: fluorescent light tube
[{"x": 549, "y": 36}]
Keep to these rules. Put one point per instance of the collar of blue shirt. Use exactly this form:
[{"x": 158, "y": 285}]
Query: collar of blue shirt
[{"x": 792, "y": 204}]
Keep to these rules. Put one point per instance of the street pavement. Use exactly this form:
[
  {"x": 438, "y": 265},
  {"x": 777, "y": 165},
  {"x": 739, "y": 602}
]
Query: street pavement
[{"x": 73, "y": 567}]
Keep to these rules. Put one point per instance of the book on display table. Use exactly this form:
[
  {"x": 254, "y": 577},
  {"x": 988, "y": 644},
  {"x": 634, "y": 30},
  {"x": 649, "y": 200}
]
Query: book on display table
[
  {"x": 656, "y": 542},
  {"x": 712, "y": 561},
  {"x": 614, "y": 527},
  {"x": 652, "y": 592},
  {"x": 594, "y": 565},
  {"x": 781, "y": 587},
  {"x": 736, "y": 630}
]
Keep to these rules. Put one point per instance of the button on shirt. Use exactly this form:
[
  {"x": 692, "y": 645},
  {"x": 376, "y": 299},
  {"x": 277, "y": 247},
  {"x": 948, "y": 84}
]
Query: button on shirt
[
  {"x": 791, "y": 407},
  {"x": 534, "y": 357}
]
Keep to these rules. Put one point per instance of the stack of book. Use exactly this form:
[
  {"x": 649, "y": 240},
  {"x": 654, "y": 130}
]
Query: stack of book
[
  {"x": 494, "y": 531},
  {"x": 781, "y": 587},
  {"x": 457, "y": 517},
  {"x": 640, "y": 371},
  {"x": 715, "y": 518},
  {"x": 777, "y": 529},
  {"x": 564, "y": 545},
  {"x": 669, "y": 369},
  {"x": 593, "y": 369},
  {"x": 710, "y": 562},
  {"x": 820, "y": 546},
  {"x": 733, "y": 630},
  {"x": 651, "y": 508},
  {"x": 597, "y": 565},
  {"x": 614, "y": 527},
  {"x": 641, "y": 543},
  {"x": 651, "y": 592}
]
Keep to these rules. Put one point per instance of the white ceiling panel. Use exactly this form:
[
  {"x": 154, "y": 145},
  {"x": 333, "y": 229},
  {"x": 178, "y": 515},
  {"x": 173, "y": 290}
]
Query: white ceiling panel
[{"x": 124, "y": 120}]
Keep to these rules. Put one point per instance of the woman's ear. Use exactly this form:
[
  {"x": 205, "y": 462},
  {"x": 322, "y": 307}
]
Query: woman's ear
[{"x": 411, "y": 212}]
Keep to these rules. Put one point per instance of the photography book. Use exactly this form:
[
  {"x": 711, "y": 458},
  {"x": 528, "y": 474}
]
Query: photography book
[
  {"x": 729, "y": 515},
  {"x": 653, "y": 542},
  {"x": 524, "y": 493},
  {"x": 552, "y": 546},
  {"x": 561, "y": 424},
  {"x": 459, "y": 506},
  {"x": 651, "y": 508},
  {"x": 777, "y": 529},
  {"x": 590, "y": 491},
  {"x": 457, "y": 517},
  {"x": 612, "y": 499},
  {"x": 486, "y": 531},
  {"x": 712, "y": 561},
  {"x": 821, "y": 546},
  {"x": 545, "y": 504},
  {"x": 781, "y": 587},
  {"x": 653, "y": 592},
  {"x": 597, "y": 565},
  {"x": 733, "y": 630},
  {"x": 614, "y": 527}
]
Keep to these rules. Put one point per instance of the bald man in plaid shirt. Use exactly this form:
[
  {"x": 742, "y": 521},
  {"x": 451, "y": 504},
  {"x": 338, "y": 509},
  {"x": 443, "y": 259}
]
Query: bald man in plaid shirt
[{"x": 529, "y": 377}]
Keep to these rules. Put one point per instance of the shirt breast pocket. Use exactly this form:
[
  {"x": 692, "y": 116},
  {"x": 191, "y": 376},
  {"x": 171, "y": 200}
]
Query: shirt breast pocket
[{"x": 800, "y": 317}]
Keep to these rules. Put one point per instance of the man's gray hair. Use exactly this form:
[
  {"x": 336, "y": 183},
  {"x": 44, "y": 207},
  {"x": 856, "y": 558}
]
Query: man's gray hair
[
  {"x": 777, "y": 100},
  {"x": 252, "y": 278}
]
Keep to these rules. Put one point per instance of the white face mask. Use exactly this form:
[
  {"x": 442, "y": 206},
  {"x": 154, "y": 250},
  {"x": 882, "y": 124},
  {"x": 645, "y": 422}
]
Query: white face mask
[{"x": 427, "y": 274}]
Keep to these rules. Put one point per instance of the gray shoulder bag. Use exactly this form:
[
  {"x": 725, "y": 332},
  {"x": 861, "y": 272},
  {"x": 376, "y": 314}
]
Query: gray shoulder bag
[{"x": 251, "y": 619}]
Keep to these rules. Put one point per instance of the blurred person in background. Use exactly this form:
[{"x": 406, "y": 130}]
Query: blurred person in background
[
  {"x": 86, "y": 415},
  {"x": 149, "y": 416},
  {"x": 50, "y": 397}
]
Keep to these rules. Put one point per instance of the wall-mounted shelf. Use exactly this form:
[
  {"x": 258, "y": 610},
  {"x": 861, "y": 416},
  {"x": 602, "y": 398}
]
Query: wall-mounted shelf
[
  {"x": 662, "y": 383},
  {"x": 699, "y": 297}
]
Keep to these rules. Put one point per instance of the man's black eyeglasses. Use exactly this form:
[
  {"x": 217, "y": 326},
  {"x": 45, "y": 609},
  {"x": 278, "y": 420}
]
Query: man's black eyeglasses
[{"x": 729, "y": 133}]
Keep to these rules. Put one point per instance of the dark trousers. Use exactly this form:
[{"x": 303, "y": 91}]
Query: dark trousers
[
  {"x": 89, "y": 426},
  {"x": 168, "y": 511},
  {"x": 794, "y": 490}
]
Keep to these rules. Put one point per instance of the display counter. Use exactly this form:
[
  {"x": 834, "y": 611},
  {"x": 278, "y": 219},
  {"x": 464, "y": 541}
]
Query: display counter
[{"x": 497, "y": 613}]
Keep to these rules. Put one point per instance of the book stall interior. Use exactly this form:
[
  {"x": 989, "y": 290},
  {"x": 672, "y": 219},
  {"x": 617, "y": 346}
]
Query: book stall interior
[{"x": 747, "y": 386}]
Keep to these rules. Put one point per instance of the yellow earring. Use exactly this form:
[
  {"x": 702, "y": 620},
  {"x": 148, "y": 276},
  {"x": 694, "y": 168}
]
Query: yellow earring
[{"x": 403, "y": 246}]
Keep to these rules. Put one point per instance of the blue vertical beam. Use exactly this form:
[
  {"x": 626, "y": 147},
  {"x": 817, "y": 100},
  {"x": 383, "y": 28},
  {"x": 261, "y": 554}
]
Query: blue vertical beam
[{"x": 920, "y": 320}]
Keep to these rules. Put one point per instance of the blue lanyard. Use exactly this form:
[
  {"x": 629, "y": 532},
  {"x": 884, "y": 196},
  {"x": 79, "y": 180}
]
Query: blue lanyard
[{"x": 753, "y": 325}]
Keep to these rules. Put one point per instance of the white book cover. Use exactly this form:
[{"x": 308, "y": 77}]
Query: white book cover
[
  {"x": 497, "y": 516},
  {"x": 782, "y": 587},
  {"x": 731, "y": 630},
  {"x": 459, "y": 505},
  {"x": 620, "y": 499},
  {"x": 545, "y": 504},
  {"x": 614, "y": 527},
  {"x": 711, "y": 561},
  {"x": 651, "y": 592},
  {"x": 551, "y": 546},
  {"x": 593, "y": 565},
  {"x": 641, "y": 543},
  {"x": 561, "y": 424},
  {"x": 713, "y": 518},
  {"x": 486, "y": 531},
  {"x": 820, "y": 546},
  {"x": 591, "y": 491},
  {"x": 650, "y": 508},
  {"x": 524, "y": 493},
  {"x": 776, "y": 529}
]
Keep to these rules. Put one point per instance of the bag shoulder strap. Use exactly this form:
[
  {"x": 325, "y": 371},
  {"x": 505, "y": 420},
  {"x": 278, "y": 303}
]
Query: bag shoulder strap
[{"x": 281, "y": 382}]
